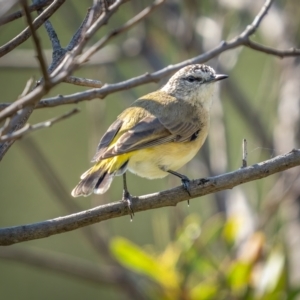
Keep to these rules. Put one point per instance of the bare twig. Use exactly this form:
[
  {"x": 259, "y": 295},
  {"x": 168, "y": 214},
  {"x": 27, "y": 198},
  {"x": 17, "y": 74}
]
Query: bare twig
[
  {"x": 31, "y": 98},
  {"x": 240, "y": 40},
  {"x": 20, "y": 13},
  {"x": 272, "y": 51},
  {"x": 84, "y": 82},
  {"x": 28, "y": 102},
  {"x": 92, "y": 14},
  {"x": 30, "y": 128},
  {"x": 57, "y": 51},
  {"x": 199, "y": 187},
  {"x": 64, "y": 264},
  {"x": 5, "y": 127},
  {"x": 27, "y": 87},
  {"x": 25, "y": 34},
  {"x": 245, "y": 154},
  {"x": 37, "y": 45},
  {"x": 63, "y": 70},
  {"x": 69, "y": 64},
  {"x": 242, "y": 104},
  {"x": 88, "y": 53},
  {"x": 257, "y": 20}
]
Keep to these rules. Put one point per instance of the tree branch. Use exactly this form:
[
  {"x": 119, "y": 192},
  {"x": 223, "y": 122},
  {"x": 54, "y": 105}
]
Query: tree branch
[
  {"x": 28, "y": 102},
  {"x": 272, "y": 51},
  {"x": 65, "y": 264},
  {"x": 82, "y": 36},
  {"x": 37, "y": 44},
  {"x": 199, "y": 187},
  {"x": 87, "y": 54},
  {"x": 26, "y": 33},
  {"x": 54, "y": 183},
  {"x": 20, "y": 13},
  {"x": 83, "y": 82},
  {"x": 66, "y": 66},
  {"x": 30, "y": 128}
]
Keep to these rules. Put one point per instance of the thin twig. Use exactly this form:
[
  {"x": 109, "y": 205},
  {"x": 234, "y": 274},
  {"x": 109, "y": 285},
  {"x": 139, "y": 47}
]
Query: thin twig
[
  {"x": 25, "y": 34},
  {"x": 30, "y": 128},
  {"x": 27, "y": 87},
  {"x": 250, "y": 30},
  {"x": 172, "y": 197},
  {"x": 272, "y": 51},
  {"x": 63, "y": 263},
  {"x": 84, "y": 82},
  {"x": 62, "y": 71},
  {"x": 37, "y": 45},
  {"x": 244, "y": 107},
  {"x": 129, "y": 24},
  {"x": 91, "y": 16},
  {"x": 6, "y": 126},
  {"x": 245, "y": 153},
  {"x": 28, "y": 102},
  {"x": 69, "y": 64},
  {"x": 240, "y": 40},
  {"x": 108, "y": 89},
  {"x": 57, "y": 50},
  {"x": 20, "y": 13}
]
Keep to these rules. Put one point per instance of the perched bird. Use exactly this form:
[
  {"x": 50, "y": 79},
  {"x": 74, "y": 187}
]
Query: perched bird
[{"x": 157, "y": 134}]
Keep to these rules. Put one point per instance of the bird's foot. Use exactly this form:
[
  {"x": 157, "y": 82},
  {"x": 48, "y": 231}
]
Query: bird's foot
[
  {"x": 185, "y": 182},
  {"x": 128, "y": 199},
  {"x": 186, "y": 185}
]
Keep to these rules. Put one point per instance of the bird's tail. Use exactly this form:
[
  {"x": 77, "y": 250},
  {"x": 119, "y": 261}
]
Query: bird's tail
[{"x": 98, "y": 178}]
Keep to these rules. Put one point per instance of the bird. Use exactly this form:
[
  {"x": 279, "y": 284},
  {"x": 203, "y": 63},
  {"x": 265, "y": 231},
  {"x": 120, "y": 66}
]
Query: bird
[{"x": 156, "y": 135}]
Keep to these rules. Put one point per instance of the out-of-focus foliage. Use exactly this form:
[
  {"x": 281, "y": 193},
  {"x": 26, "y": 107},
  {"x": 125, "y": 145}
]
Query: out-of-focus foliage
[
  {"x": 189, "y": 269},
  {"x": 237, "y": 244}
]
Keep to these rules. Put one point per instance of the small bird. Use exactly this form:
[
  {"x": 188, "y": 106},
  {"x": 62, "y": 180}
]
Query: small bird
[{"x": 158, "y": 134}]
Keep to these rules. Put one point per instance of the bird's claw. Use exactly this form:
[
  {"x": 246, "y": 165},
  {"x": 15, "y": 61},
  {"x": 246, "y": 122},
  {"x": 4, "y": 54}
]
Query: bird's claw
[
  {"x": 186, "y": 185},
  {"x": 128, "y": 199}
]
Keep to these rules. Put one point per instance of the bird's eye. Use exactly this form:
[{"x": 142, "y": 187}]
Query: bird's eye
[{"x": 191, "y": 79}]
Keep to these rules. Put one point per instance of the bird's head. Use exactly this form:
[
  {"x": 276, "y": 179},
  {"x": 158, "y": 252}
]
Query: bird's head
[{"x": 195, "y": 84}]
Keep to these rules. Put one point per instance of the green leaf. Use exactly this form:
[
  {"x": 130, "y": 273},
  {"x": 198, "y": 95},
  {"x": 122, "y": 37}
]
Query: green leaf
[
  {"x": 204, "y": 291},
  {"x": 137, "y": 259},
  {"x": 239, "y": 275}
]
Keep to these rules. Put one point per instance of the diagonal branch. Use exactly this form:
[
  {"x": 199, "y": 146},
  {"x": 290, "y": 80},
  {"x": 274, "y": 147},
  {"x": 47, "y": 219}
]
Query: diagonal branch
[
  {"x": 240, "y": 40},
  {"x": 83, "y": 82},
  {"x": 199, "y": 187},
  {"x": 28, "y": 102},
  {"x": 82, "y": 36},
  {"x": 132, "y": 22},
  {"x": 65, "y": 67},
  {"x": 65, "y": 264},
  {"x": 37, "y": 44},
  {"x": 251, "y": 29},
  {"x": 54, "y": 183},
  {"x": 20, "y": 13},
  {"x": 272, "y": 51},
  {"x": 30, "y": 128},
  {"x": 26, "y": 33}
]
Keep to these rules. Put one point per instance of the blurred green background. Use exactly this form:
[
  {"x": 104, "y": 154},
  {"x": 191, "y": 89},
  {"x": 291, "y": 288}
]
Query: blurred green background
[{"x": 237, "y": 244}]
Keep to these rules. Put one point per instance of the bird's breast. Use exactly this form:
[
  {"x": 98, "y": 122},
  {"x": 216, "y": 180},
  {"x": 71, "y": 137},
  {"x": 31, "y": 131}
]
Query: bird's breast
[{"x": 154, "y": 162}]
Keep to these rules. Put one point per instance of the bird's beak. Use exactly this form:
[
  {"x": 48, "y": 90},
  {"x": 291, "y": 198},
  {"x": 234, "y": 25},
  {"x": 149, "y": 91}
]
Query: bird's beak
[{"x": 220, "y": 77}]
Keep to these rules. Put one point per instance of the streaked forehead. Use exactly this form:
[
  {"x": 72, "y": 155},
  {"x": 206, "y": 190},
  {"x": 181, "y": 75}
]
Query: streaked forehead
[{"x": 196, "y": 70}]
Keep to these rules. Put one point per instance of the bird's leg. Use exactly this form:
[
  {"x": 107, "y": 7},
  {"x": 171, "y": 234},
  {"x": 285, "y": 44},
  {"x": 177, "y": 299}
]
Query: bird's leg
[
  {"x": 185, "y": 182},
  {"x": 127, "y": 197}
]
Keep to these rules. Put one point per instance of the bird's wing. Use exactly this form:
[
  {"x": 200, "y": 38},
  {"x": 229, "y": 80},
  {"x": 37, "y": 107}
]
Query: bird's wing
[
  {"x": 107, "y": 138},
  {"x": 183, "y": 130},
  {"x": 148, "y": 132}
]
